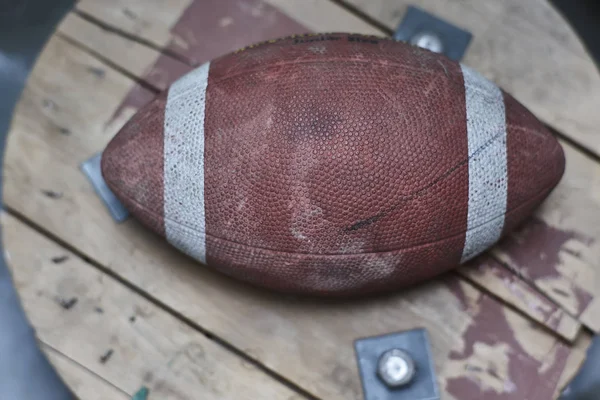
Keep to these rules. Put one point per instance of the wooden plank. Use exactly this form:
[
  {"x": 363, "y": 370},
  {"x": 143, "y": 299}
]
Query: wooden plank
[
  {"x": 311, "y": 15},
  {"x": 175, "y": 25},
  {"x": 83, "y": 383},
  {"x": 528, "y": 49},
  {"x": 148, "y": 19},
  {"x": 487, "y": 273},
  {"x": 479, "y": 345},
  {"x": 323, "y": 16},
  {"x": 118, "y": 335},
  {"x": 134, "y": 58}
]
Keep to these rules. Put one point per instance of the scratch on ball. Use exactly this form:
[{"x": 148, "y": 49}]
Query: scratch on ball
[
  {"x": 365, "y": 222},
  {"x": 443, "y": 66}
]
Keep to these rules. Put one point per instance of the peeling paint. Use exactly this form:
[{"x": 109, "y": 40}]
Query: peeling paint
[
  {"x": 506, "y": 284},
  {"x": 487, "y": 368},
  {"x": 492, "y": 363},
  {"x": 550, "y": 259}
]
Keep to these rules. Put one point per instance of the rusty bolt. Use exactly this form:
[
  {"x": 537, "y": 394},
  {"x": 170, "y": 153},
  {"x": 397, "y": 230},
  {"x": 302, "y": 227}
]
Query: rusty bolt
[{"x": 396, "y": 368}]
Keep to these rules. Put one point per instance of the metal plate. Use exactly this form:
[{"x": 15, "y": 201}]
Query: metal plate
[
  {"x": 91, "y": 168},
  {"x": 425, "y": 30},
  {"x": 416, "y": 344}
]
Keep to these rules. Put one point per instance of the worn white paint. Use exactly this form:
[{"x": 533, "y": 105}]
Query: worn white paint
[
  {"x": 488, "y": 177},
  {"x": 185, "y": 225}
]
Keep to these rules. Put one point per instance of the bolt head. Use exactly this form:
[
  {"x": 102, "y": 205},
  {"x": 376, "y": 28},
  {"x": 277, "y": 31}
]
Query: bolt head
[
  {"x": 429, "y": 41},
  {"x": 396, "y": 368}
]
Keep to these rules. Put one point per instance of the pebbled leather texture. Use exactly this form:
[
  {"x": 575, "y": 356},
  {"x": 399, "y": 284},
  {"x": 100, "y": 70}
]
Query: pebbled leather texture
[{"x": 334, "y": 164}]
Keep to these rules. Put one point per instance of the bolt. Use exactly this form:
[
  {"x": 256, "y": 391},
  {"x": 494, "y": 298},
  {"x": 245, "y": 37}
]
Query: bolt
[
  {"x": 429, "y": 41},
  {"x": 396, "y": 368}
]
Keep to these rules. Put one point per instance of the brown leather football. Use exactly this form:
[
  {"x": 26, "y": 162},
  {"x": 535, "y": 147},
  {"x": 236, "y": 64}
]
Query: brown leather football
[{"x": 333, "y": 164}]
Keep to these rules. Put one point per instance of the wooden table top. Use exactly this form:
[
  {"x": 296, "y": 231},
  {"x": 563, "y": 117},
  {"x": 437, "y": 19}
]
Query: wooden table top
[{"x": 116, "y": 308}]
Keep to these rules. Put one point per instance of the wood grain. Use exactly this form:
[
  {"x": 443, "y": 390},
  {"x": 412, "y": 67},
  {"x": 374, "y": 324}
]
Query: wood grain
[
  {"x": 307, "y": 341},
  {"x": 323, "y": 16},
  {"x": 118, "y": 335},
  {"x": 134, "y": 58},
  {"x": 494, "y": 278}
]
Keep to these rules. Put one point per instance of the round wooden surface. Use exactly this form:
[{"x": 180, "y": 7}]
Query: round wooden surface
[{"x": 117, "y": 308}]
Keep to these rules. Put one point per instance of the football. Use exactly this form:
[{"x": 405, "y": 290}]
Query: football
[{"x": 333, "y": 164}]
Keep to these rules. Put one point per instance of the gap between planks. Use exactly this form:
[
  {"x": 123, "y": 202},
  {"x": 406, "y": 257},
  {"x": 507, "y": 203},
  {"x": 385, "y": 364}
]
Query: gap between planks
[
  {"x": 151, "y": 86},
  {"x": 363, "y": 16},
  {"x": 140, "y": 81},
  {"x": 145, "y": 344},
  {"x": 147, "y": 296},
  {"x": 569, "y": 338},
  {"x": 135, "y": 38}
]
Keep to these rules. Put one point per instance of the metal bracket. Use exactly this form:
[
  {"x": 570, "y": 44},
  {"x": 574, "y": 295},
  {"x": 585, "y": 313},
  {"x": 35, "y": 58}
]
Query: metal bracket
[
  {"x": 91, "y": 169},
  {"x": 427, "y": 31},
  {"x": 397, "y": 366}
]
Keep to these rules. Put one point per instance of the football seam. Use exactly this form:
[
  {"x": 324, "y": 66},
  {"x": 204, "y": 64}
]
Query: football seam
[
  {"x": 336, "y": 60},
  {"x": 189, "y": 229},
  {"x": 280, "y": 39},
  {"x": 403, "y": 249}
]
